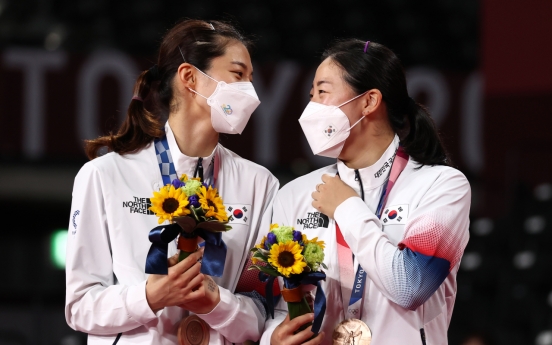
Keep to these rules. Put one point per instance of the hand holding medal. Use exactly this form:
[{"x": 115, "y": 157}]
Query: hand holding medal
[{"x": 287, "y": 253}]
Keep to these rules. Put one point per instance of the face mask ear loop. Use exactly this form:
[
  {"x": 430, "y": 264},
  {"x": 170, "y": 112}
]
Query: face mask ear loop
[
  {"x": 197, "y": 93},
  {"x": 356, "y": 123},
  {"x": 205, "y": 74},
  {"x": 208, "y": 76},
  {"x": 352, "y": 99}
]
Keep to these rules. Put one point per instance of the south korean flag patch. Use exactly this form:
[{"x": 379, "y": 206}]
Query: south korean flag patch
[
  {"x": 395, "y": 214},
  {"x": 239, "y": 214}
]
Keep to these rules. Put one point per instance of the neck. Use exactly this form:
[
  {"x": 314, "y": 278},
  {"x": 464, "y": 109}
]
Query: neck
[
  {"x": 368, "y": 148},
  {"x": 194, "y": 135}
]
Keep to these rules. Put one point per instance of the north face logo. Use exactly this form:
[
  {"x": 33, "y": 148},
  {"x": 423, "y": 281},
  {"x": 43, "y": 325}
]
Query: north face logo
[
  {"x": 314, "y": 220},
  {"x": 138, "y": 205}
]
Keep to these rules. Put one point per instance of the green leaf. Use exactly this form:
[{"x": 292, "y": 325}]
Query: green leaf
[
  {"x": 324, "y": 265},
  {"x": 260, "y": 255},
  {"x": 264, "y": 251},
  {"x": 266, "y": 269},
  {"x": 187, "y": 223},
  {"x": 213, "y": 226}
]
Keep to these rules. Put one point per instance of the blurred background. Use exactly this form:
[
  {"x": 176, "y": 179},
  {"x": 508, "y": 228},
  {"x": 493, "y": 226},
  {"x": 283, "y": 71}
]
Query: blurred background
[{"x": 67, "y": 68}]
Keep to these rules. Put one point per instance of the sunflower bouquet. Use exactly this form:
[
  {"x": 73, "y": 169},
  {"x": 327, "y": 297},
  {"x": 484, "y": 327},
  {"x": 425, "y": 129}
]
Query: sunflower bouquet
[
  {"x": 193, "y": 209},
  {"x": 287, "y": 253}
]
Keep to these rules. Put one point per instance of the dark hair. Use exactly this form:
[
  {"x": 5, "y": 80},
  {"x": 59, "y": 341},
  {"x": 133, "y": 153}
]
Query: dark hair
[
  {"x": 194, "y": 41},
  {"x": 379, "y": 68}
]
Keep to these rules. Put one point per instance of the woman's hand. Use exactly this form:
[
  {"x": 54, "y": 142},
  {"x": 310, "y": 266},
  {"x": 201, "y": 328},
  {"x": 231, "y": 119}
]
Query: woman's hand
[
  {"x": 183, "y": 286},
  {"x": 284, "y": 333},
  {"x": 331, "y": 193}
]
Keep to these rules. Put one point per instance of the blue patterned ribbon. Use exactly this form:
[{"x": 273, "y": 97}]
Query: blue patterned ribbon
[{"x": 164, "y": 159}]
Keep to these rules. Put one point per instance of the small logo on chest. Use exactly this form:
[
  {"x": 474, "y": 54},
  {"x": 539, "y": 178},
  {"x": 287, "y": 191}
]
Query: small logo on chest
[
  {"x": 238, "y": 213},
  {"x": 138, "y": 205},
  {"x": 314, "y": 220},
  {"x": 396, "y": 214}
]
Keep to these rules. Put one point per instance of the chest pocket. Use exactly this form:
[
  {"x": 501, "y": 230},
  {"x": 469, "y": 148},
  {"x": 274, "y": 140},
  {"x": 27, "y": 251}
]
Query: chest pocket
[{"x": 394, "y": 219}]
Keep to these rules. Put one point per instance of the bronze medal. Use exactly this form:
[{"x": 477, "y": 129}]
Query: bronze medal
[
  {"x": 193, "y": 331},
  {"x": 352, "y": 332}
]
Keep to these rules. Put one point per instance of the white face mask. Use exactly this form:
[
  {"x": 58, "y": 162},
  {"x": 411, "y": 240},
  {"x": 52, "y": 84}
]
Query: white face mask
[
  {"x": 231, "y": 105},
  {"x": 326, "y": 127}
]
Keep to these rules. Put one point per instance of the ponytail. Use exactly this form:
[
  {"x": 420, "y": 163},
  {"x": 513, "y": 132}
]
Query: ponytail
[
  {"x": 423, "y": 142},
  {"x": 193, "y": 41},
  {"x": 139, "y": 128},
  {"x": 374, "y": 66}
]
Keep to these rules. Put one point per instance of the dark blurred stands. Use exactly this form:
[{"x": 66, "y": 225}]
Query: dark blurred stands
[{"x": 505, "y": 278}]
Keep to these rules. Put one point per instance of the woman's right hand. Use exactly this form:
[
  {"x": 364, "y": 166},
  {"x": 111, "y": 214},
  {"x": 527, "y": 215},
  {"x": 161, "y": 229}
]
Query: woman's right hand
[
  {"x": 284, "y": 333},
  {"x": 180, "y": 286}
]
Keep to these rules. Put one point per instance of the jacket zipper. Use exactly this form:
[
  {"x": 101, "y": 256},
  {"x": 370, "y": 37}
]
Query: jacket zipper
[{"x": 117, "y": 338}]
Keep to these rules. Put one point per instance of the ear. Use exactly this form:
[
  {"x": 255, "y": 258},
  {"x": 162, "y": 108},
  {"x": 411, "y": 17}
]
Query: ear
[
  {"x": 187, "y": 75},
  {"x": 372, "y": 101}
]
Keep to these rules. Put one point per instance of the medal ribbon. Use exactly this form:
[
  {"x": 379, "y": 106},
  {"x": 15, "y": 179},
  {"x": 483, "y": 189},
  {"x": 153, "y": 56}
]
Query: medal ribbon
[
  {"x": 166, "y": 164},
  {"x": 345, "y": 255}
]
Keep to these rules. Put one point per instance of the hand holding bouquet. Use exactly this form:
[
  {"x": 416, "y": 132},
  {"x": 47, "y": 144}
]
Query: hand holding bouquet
[
  {"x": 287, "y": 253},
  {"x": 194, "y": 210}
]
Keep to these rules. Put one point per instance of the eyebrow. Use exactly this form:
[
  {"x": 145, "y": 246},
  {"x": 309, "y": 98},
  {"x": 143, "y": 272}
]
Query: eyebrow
[
  {"x": 323, "y": 82},
  {"x": 239, "y": 63}
]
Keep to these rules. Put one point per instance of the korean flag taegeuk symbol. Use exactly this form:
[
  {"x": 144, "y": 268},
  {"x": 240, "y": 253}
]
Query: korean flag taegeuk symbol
[
  {"x": 395, "y": 214},
  {"x": 238, "y": 213},
  {"x": 329, "y": 131}
]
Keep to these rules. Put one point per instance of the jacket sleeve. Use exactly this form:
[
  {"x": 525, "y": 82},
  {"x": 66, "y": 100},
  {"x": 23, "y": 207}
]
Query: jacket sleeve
[
  {"x": 238, "y": 317},
  {"x": 435, "y": 237},
  {"x": 280, "y": 309},
  {"x": 95, "y": 303}
]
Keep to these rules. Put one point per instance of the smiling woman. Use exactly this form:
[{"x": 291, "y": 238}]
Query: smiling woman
[
  {"x": 216, "y": 48},
  {"x": 202, "y": 84},
  {"x": 399, "y": 212}
]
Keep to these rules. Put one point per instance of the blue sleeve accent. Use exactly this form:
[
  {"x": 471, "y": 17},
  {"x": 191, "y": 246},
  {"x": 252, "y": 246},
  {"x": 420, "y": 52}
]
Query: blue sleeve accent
[{"x": 417, "y": 277}]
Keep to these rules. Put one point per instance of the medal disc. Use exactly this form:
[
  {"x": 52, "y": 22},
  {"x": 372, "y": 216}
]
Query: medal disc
[
  {"x": 193, "y": 331},
  {"x": 352, "y": 332}
]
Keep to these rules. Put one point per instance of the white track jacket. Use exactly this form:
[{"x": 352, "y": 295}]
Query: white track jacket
[
  {"x": 411, "y": 256},
  {"x": 108, "y": 244}
]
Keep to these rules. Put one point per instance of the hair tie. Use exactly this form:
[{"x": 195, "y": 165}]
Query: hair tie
[
  {"x": 366, "y": 46},
  {"x": 154, "y": 72},
  {"x": 212, "y": 26},
  {"x": 137, "y": 98}
]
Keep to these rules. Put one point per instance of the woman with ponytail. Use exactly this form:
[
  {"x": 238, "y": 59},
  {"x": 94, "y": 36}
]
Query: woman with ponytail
[
  {"x": 200, "y": 87},
  {"x": 392, "y": 211}
]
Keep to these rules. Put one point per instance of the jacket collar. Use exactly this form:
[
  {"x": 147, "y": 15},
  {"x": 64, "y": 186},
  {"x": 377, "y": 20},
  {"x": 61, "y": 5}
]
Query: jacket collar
[
  {"x": 185, "y": 164},
  {"x": 373, "y": 176}
]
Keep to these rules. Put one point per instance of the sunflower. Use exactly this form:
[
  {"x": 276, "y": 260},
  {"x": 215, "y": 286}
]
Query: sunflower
[
  {"x": 314, "y": 240},
  {"x": 262, "y": 244},
  {"x": 212, "y": 204},
  {"x": 287, "y": 258},
  {"x": 169, "y": 202}
]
